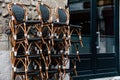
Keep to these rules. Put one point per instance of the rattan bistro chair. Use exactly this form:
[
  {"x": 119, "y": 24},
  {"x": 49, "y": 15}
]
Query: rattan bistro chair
[
  {"x": 45, "y": 16},
  {"x": 15, "y": 65},
  {"x": 18, "y": 13},
  {"x": 62, "y": 21},
  {"x": 62, "y": 25}
]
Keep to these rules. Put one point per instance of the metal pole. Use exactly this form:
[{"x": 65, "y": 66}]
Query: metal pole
[{"x": 93, "y": 29}]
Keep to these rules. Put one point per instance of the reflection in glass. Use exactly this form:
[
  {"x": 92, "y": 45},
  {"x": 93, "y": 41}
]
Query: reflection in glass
[
  {"x": 80, "y": 15},
  {"x": 86, "y": 43},
  {"x": 106, "y": 41}
]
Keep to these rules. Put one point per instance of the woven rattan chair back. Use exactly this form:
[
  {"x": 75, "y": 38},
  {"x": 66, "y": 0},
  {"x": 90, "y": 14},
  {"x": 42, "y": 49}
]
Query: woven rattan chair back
[{"x": 18, "y": 12}]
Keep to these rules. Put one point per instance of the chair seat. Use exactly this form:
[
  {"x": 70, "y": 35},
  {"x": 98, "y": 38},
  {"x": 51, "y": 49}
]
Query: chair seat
[
  {"x": 58, "y": 24},
  {"x": 29, "y": 72},
  {"x": 30, "y": 56},
  {"x": 32, "y": 22}
]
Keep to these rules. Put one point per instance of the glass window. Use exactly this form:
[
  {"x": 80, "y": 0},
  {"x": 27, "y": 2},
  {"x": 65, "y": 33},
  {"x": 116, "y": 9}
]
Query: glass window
[
  {"x": 106, "y": 42},
  {"x": 82, "y": 18}
]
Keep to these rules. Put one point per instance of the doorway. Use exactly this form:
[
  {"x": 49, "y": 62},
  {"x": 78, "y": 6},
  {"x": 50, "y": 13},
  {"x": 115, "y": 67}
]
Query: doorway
[{"x": 99, "y": 56}]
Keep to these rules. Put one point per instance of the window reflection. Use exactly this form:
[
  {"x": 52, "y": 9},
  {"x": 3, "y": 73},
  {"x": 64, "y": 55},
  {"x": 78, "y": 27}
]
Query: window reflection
[
  {"x": 106, "y": 26},
  {"x": 80, "y": 15}
]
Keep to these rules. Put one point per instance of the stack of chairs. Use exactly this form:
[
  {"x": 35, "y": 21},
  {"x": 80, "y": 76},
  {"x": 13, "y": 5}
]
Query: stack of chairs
[{"x": 40, "y": 48}]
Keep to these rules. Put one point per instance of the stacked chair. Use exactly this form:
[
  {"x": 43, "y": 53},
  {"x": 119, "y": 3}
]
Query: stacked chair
[{"x": 40, "y": 48}]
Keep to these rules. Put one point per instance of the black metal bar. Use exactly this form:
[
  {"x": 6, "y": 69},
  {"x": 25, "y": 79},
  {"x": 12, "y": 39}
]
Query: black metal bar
[
  {"x": 32, "y": 22},
  {"x": 116, "y": 32},
  {"x": 52, "y": 55},
  {"x": 30, "y": 56},
  {"x": 37, "y": 72},
  {"x": 93, "y": 29},
  {"x": 93, "y": 25},
  {"x": 39, "y": 39}
]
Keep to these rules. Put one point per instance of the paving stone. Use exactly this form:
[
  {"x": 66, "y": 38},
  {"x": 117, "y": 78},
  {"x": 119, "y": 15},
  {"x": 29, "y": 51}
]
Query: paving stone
[
  {"x": 5, "y": 13},
  {"x": 30, "y": 8},
  {"x": 4, "y": 45},
  {"x": 34, "y": 2},
  {"x": 61, "y": 4},
  {"x": 34, "y": 14},
  {"x": 5, "y": 65},
  {"x": 7, "y": 1},
  {"x": 30, "y": 15},
  {"x": 3, "y": 5},
  {"x": 1, "y": 27},
  {"x": 50, "y": 3},
  {"x": 3, "y": 37},
  {"x": 7, "y": 22},
  {"x": 25, "y": 2},
  {"x": 16, "y": 1},
  {"x": 0, "y": 11}
]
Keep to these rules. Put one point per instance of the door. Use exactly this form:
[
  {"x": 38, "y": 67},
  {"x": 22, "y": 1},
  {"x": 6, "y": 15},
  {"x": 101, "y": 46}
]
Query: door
[{"x": 99, "y": 56}]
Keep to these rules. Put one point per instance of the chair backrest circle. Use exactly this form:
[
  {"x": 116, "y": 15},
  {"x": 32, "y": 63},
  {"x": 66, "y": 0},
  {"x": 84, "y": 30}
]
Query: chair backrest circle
[
  {"x": 62, "y": 15},
  {"x": 44, "y": 13},
  {"x": 18, "y": 12}
]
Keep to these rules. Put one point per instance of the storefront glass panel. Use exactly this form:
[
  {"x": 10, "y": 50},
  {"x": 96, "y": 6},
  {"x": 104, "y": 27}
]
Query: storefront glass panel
[
  {"x": 82, "y": 18},
  {"x": 106, "y": 37}
]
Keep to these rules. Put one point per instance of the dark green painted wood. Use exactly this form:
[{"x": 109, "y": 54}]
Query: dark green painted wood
[
  {"x": 93, "y": 24},
  {"x": 116, "y": 28},
  {"x": 99, "y": 65}
]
